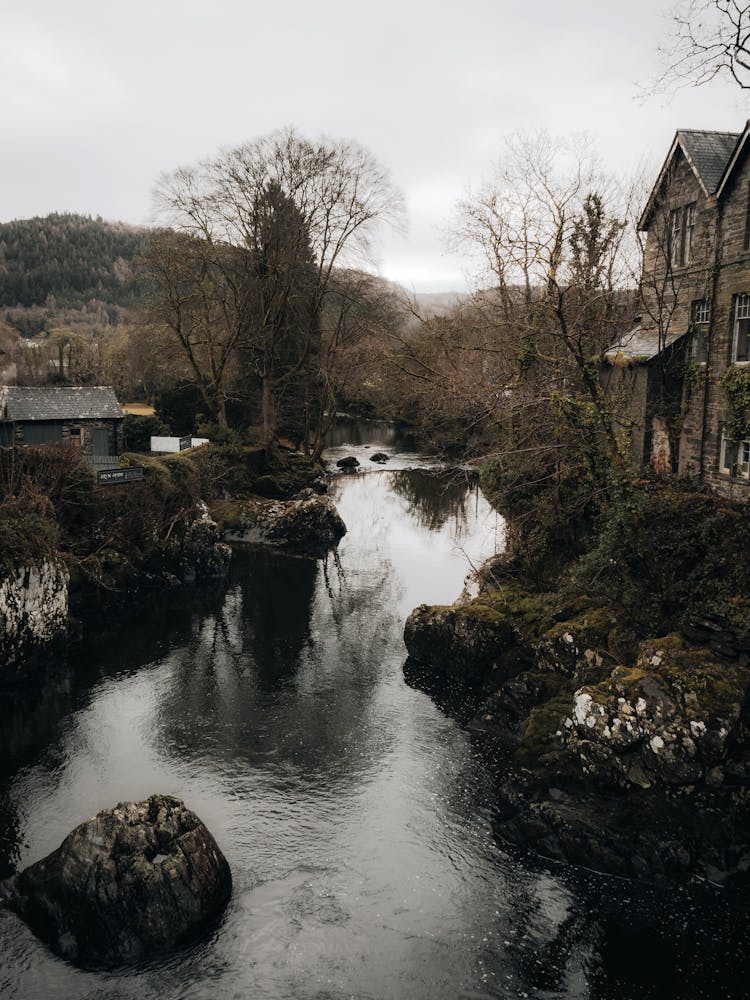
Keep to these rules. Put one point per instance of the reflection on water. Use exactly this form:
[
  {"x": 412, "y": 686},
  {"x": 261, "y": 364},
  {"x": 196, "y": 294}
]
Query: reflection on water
[
  {"x": 355, "y": 432},
  {"x": 356, "y": 817},
  {"x": 436, "y": 498}
]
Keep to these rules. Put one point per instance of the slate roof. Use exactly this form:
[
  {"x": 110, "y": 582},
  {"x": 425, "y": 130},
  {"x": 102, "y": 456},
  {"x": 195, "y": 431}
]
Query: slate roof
[
  {"x": 640, "y": 345},
  {"x": 26, "y": 403},
  {"x": 709, "y": 153}
]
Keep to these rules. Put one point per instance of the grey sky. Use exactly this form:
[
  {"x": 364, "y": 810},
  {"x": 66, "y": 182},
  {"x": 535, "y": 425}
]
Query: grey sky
[{"x": 98, "y": 99}]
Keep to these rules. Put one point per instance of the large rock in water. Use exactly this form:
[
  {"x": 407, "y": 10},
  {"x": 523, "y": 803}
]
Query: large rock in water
[
  {"x": 308, "y": 525},
  {"x": 129, "y": 883}
]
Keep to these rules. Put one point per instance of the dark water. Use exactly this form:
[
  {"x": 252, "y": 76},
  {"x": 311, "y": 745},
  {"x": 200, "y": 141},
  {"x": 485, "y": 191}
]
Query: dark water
[{"x": 356, "y": 817}]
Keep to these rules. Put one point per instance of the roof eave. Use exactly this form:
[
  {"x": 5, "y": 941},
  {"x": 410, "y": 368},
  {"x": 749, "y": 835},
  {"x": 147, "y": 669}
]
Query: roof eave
[{"x": 733, "y": 160}]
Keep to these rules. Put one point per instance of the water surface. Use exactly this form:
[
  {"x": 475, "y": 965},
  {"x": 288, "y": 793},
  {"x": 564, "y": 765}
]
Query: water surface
[{"x": 356, "y": 817}]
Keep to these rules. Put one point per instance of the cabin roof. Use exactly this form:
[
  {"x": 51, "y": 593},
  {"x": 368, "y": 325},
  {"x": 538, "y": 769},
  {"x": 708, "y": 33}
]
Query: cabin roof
[{"x": 29, "y": 403}]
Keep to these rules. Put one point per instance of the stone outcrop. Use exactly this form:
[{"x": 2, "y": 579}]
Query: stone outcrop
[
  {"x": 33, "y": 610},
  {"x": 380, "y": 457},
  {"x": 474, "y": 643},
  {"x": 631, "y": 758},
  {"x": 308, "y": 525},
  {"x": 348, "y": 464},
  {"x": 202, "y": 555},
  {"x": 130, "y": 883}
]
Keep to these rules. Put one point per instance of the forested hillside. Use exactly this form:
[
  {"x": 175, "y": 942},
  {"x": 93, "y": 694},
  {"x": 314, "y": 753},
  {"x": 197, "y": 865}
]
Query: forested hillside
[{"x": 72, "y": 258}]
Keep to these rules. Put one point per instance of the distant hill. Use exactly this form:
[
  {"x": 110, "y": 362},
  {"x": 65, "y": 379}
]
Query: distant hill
[
  {"x": 70, "y": 258},
  {"x": 438, "y": 303}
]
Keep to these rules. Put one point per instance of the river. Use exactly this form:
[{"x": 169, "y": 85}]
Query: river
[{"x": 355, "y": 815}]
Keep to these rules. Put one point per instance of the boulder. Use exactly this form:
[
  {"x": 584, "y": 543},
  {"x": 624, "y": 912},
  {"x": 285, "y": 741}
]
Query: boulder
[
  {"x": 348, "y": 464},
  {"x": 309, "y": 525},
  {"x": 380, "y": 457},
  {"x": 128, "y": 884}
]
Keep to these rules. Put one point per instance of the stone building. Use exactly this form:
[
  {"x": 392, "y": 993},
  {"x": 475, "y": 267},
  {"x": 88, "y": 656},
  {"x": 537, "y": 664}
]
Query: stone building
[
  {"x": 87, "y": 417},
  {"x": 685, "y": 368}
]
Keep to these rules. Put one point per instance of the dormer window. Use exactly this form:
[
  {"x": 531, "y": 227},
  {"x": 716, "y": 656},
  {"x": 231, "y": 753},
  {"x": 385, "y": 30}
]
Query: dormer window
[{"x": 741, "y": 338}]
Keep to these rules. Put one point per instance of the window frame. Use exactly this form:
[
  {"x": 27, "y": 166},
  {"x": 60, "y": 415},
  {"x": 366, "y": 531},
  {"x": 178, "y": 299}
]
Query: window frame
[
  {"x": 734, "y": 457},
  {"x": 741, "y": 314},
  {"x": 675, "y": 237},
  {"x": 689, "y": 231},
  {"x": 700, "y": 319}
]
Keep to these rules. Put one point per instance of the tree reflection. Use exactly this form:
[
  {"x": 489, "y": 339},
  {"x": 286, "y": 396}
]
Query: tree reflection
[{"x": 436, "y": 497}]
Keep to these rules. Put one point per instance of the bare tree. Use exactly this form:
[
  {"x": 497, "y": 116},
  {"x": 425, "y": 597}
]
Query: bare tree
[
  {"x": 337, "y": 193},
  {"x": 707, "y": 39},
  {"x": 557, "y": 254},
  {"x": 198, "y": 297}
]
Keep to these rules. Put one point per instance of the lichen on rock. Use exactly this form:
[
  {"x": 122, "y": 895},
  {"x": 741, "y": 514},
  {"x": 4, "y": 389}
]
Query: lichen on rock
[{"x": 669, "y": 719}]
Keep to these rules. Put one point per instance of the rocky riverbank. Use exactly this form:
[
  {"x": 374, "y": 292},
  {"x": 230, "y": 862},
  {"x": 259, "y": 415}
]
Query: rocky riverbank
[
  {"x": 71, "y": 548},
  {"x": 630, "y": 756}
]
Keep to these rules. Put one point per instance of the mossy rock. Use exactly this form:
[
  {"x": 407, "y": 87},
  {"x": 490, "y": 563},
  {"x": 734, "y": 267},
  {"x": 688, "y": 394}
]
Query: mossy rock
[
  {"x": 542, "y": 751},
  {"x": 474, "y": 643}
]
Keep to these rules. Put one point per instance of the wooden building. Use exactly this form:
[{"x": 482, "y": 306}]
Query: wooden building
[
  {"x": 87, "y": 417},
  {"x": 691, "y": 348}
]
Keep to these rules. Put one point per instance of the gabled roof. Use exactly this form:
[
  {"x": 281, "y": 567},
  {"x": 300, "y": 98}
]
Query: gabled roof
[
  {"x": 59, "y": 403},
  {"x": 640, "y": 345},
  {"x": 708, "y": 154}
]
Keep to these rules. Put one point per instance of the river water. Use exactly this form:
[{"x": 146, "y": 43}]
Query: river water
[{"x": 355, "y": 816}]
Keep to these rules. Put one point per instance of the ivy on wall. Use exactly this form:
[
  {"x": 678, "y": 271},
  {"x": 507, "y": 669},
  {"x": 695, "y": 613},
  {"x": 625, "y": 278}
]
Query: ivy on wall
[{"x": 736, "y": 386}]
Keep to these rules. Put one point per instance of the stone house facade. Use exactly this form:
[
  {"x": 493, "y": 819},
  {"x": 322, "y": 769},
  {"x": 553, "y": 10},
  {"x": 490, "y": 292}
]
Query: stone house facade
[
  {"x": 88, "y": 417},
  {"x": 691, "y": 344}
]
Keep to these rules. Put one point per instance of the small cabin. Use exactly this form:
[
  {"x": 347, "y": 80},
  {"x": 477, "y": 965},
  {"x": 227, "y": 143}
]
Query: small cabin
[{"x": 87, "y": 417}]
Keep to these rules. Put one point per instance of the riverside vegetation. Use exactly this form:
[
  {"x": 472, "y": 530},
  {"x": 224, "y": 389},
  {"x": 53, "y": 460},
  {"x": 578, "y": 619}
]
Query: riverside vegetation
[
  {"x": 87, "y": 548},
  {"x": 607, "y": 663}
]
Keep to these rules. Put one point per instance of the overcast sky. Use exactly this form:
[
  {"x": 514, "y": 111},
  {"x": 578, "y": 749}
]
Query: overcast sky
[{"x": 98, "y": 99}]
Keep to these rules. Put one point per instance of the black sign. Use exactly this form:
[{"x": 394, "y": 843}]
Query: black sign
[
  {"x": 185, "y": 443},
  {"x": 130, "y": 475}
]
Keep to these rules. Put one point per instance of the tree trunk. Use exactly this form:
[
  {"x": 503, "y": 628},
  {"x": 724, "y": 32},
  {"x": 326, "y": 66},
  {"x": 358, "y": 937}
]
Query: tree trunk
[{"x": 269, "y": 413}]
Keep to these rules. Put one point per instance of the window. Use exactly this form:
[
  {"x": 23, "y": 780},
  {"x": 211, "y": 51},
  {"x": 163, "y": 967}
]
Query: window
[
  {"x": 743, "y": 459},
  {"x": 700, "y": 314},
  {"x": 735, "y": 458},
  {"x": 675, "y": 233},
  {"x": 689, "y": 233},
  {"x": 741, "y": 339}
]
